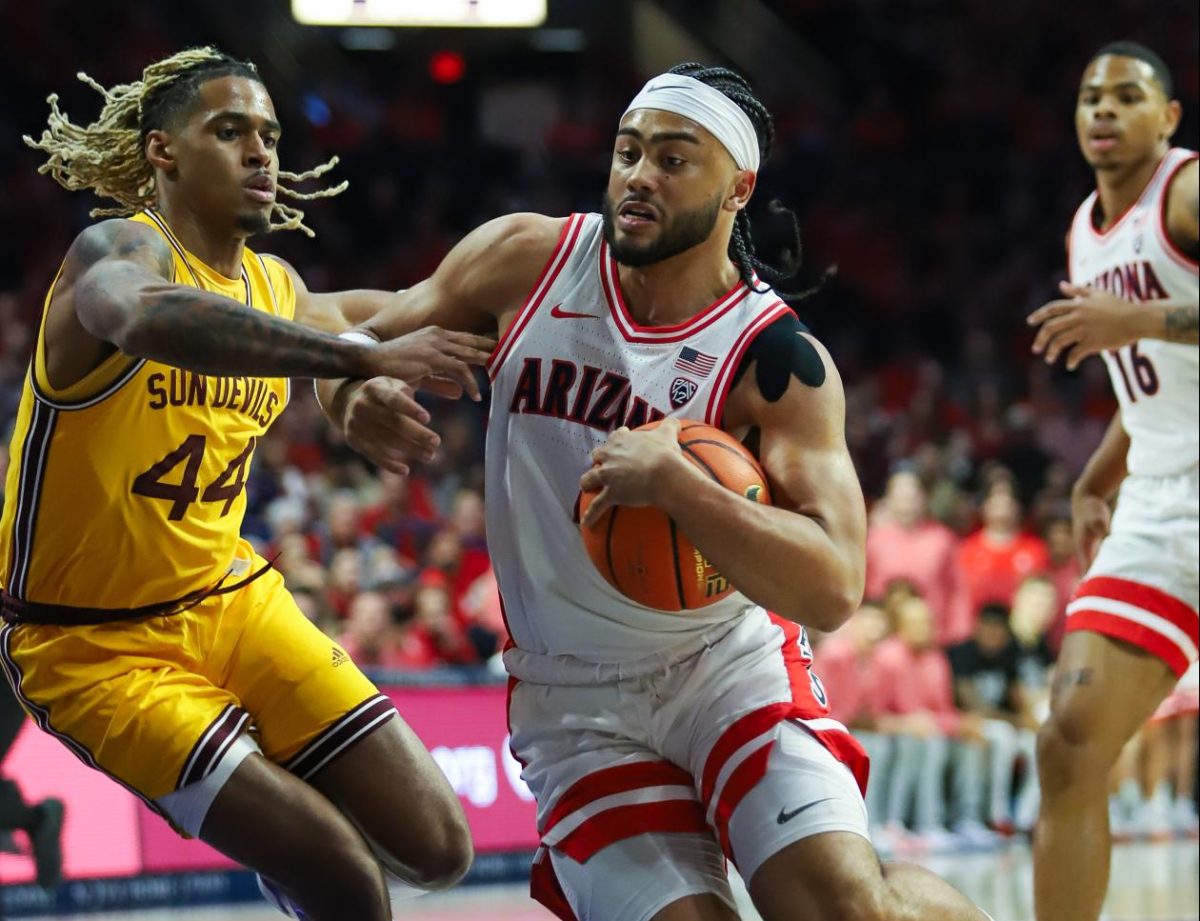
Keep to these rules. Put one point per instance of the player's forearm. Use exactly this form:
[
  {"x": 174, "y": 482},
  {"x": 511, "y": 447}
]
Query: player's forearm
[
  {"x": 1170, "y": 324},
  {"x": 211, "y": 334},
  {"x": 787, "y": 562},
  {"x": 332, "y": 395},
  {"x": 1105, "y": 469},
  {"x": 1181, "y": 324}
]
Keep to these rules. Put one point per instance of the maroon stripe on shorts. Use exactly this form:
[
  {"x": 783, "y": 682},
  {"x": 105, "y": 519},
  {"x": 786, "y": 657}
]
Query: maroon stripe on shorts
[
  {"x": 41, "y": 717},
  {"x": 206, "y": 754},
  {"x": 359, "y": 722}
]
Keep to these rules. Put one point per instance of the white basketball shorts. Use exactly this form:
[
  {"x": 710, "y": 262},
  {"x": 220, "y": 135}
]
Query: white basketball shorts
[
  {"x": 1143, "y": 587},
  {"x": 649, "y": 774}
]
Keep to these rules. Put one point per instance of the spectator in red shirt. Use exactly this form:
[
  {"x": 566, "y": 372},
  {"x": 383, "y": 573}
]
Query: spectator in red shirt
[
  {"x": 369, "y": 635},
  {"x": 460, "y": 566},
  {"x": 903, "y": 542},
  {"x": 405, "y": 515},
  {"x": 345, "y": 581},
  {"x": 844, "y": 662},
  {"x": 432, "y": 636},
  {"x": 916, "y": 705},
  {"x": 996, "y": 558}
]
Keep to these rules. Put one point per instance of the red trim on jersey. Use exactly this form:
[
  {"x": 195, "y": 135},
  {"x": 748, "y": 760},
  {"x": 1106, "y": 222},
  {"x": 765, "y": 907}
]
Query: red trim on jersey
[
  {"x": 716, "y": 399},
  {"x": 1135, "y": 634},
  {"x": 744, "y": 729},
  {"x": 1105, "y": 234},
  {"x": 552, "y": 268},
  {"x": 631, "y": 331},
  {"x": 1146, "y": 597},
  {"x": 803, "y": 706},
  {"x": 745, "y": 777},
  {"x": 545, "y": 889},
  {"x": 621, "y": 822},
  {"x": 621, "y": 778},
  {"x": 1177, "y": 255}
]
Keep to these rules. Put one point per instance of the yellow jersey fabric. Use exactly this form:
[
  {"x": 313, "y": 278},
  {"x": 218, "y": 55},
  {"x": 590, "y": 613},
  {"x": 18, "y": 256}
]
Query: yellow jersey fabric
[
  {"x": 156, "y": 702},
  {"x": 127, "y": 488}
]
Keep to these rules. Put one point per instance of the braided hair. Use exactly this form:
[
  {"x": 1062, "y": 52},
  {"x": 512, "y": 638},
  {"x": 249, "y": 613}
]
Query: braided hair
[
  {"x": 741, "y": 243},
  {"x": 108, "y": 156}
]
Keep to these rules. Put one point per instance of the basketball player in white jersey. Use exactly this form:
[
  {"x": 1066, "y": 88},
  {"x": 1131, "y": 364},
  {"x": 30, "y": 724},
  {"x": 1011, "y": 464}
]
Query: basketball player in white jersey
[
  {"x": 660, "y": 744},
  {"x": 1132, "y": 624}
]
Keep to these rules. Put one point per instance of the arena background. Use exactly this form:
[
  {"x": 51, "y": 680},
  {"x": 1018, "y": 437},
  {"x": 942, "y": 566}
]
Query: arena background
[{"x": 927, "y": 147}]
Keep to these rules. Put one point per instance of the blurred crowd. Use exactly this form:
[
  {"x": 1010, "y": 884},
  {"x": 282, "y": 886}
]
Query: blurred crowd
[
  {"x": 945, "y": 672},
  {"x": 934, "y": 182}
]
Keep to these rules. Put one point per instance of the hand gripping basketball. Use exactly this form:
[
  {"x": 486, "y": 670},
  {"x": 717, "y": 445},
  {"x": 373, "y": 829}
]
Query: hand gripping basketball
[{"x": 644, "y": 555}]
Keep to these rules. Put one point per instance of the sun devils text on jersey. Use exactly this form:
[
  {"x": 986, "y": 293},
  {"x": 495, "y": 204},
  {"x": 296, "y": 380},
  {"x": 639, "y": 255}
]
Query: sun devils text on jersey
[{"x": 126, "y": 489}]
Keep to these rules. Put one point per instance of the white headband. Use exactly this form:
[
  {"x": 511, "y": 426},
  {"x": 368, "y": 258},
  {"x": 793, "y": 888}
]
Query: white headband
[{"x": 707, "y": 107}]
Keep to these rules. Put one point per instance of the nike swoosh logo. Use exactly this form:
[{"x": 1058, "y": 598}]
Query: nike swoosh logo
[
  {"x": 784, "y": 817},
  {"x": 557, "y": 312}
]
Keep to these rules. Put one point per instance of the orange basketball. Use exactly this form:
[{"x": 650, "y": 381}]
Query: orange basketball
[{"x": 641, "y": 551}]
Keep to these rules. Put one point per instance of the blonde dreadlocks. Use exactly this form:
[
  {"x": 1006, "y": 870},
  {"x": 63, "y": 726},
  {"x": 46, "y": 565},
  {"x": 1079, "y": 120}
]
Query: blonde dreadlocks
[{"x": 108, "y": 156}]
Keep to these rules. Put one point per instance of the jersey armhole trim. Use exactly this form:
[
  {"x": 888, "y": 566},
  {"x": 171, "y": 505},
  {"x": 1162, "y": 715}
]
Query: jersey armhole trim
[
  {"x": 550, "y": 272},
  {"x": 270, "y": 285},
  {"x": 1172, "y": 249},
  {"x": 101, "y": 382},
  {"x": 715, "y": 412}
]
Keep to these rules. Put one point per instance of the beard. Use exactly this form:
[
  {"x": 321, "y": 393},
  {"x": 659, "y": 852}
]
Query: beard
[
  {"x": 689, "y": 229},
  {"x": 253, "y": 222}
]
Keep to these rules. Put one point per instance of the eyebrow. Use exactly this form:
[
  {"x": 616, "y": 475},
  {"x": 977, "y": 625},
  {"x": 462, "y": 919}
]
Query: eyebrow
[
  {"x": 1123, "y": 85},
  {"x": 661, "y": 137},
  {"x": 269, "y": 123}
]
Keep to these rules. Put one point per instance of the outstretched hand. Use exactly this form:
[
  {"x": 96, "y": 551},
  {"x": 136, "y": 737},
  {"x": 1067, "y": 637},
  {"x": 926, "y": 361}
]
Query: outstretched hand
[
  {"x": 434, "y": 357},
  {"x": 629, "y": 468},
  {"x": 384, "y": 422},
  {"x": 1085, "y": 323}
]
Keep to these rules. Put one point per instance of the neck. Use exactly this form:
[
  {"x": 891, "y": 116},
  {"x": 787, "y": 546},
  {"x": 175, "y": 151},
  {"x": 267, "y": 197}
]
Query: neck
[
  {"x": 1119, "y": 189},
  {"x": 675, "y": 290},
  {"x": 1000, "y": 535},
  {"x": 220, "y": 251}
]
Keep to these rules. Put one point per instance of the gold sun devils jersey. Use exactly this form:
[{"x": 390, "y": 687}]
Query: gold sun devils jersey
[{"x": 127, "y": 488}]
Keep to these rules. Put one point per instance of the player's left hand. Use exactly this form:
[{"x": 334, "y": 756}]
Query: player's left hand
[
  {"x": 1086, "y": 323},
  {"x": 629, "y": 467}
]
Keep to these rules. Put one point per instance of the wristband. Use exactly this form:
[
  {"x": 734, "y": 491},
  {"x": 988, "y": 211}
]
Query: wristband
[{"x": 351, "y": 335}]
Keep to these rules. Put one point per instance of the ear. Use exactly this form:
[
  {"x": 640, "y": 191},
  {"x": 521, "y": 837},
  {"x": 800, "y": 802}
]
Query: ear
[
  {"x": 743, "y": 187},
  {"x": 1171, "y": 122},
  {"x": 158, "y": 151}
]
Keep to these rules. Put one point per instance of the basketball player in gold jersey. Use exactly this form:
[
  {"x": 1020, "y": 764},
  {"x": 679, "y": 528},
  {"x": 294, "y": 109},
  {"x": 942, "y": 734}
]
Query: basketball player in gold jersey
[{"x": 141, "y": 630}]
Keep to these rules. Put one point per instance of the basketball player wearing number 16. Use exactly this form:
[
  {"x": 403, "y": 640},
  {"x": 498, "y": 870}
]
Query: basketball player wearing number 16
[
  {"x": 1132, "y": 624},
  {"x": 141, "y": 630},
  {"x": 657, "y": 744}
]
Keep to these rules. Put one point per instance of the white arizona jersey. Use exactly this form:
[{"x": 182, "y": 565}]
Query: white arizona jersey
[
  {"x": 1156, "y": 382},
  {"x": 571, "y": 368}
]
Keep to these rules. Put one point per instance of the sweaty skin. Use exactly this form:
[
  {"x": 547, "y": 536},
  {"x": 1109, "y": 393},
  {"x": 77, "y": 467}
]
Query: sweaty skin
[{"x": 780, "y": 352}]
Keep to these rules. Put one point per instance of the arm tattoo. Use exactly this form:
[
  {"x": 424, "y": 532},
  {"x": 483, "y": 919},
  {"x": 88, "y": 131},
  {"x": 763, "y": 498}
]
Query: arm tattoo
[
  {"x": 1080, "y": 676},
  {"x": 127, "y": 241},
  {"x": 1183, "y": 324},
  {"x": 187, "y": 327},
  {"x": 211, "y": 334}
]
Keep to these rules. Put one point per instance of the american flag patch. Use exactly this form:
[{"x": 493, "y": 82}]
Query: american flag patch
[{"x": 694, "y": 362}]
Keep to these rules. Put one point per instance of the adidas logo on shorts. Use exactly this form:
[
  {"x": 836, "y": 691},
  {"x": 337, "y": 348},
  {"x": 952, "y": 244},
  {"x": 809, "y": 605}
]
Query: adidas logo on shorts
[{"x": 339, "y": 657}]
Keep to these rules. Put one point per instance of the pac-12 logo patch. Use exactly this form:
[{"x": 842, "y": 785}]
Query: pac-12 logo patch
[{"x": 682, "y": 390}]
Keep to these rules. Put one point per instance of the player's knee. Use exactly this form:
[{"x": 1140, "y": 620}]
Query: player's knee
[
  {"x": 446, "y": 856},
  {"x": 347, "y": 882},
  {"x": 1064, "y": 756},
  {"x": 862, "y": 902}
]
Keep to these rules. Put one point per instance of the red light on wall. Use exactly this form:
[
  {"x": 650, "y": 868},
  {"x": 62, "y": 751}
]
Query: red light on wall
[{"x": 447, "y": 66}]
